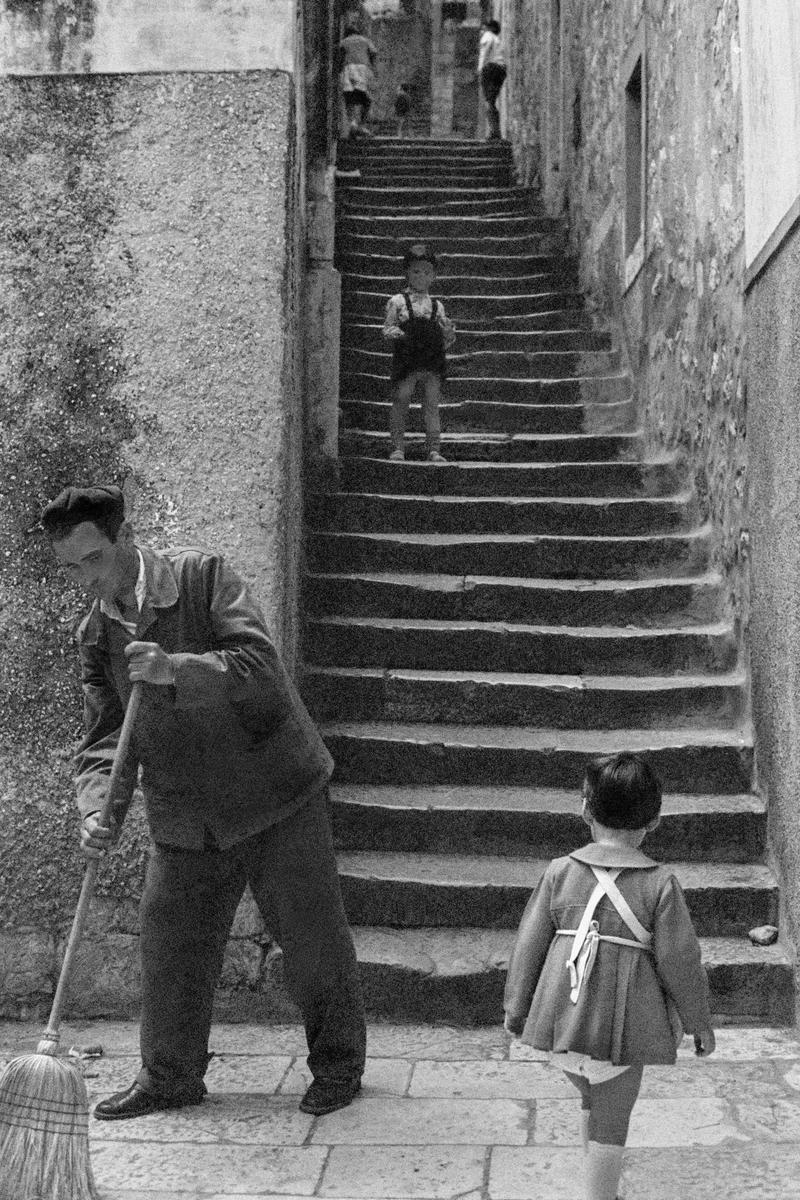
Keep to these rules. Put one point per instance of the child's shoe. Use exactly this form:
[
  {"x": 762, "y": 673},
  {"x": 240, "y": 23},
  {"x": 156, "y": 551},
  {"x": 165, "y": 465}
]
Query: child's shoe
[
  {"x": 397, "y": 456},
  {"x": 435, "y": 457}
]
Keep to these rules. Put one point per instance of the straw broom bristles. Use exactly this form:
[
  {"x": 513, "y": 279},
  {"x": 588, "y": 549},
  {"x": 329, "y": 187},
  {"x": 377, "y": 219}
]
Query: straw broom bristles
[{"x": 44, "y": 1131}]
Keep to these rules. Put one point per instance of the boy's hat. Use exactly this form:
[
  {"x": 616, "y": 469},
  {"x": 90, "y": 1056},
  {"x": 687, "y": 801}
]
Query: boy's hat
[
  {"x": 75, "y": 505},
  {"x": 419, "y": 252}
]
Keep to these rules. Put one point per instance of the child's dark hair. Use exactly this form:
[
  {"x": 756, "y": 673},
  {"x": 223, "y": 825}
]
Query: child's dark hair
[
  {"x": 493, "y": 26},
  {"x": 622, "y": 791}
]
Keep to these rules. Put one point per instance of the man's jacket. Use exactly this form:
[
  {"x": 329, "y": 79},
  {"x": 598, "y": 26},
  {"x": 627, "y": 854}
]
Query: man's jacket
[{"x": 230, "y": 748}]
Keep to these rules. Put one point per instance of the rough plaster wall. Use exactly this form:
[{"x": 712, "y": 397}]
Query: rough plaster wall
[
  {"x": 682, "y": 317},
  {"x": 773, "y": 337},
  {"x": 143, "y": 275},
  {"x": 404, "y": 45}
]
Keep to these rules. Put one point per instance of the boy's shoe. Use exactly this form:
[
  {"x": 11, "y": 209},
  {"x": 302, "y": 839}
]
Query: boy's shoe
[
  {"x": 435, "y": 457},
  {"x": 326, "y": 1096},
  {"x": 397, "y": 456}
]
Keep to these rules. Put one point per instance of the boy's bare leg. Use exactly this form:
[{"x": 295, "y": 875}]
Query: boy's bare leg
[
  {"x": 401, "y": 398},
  {"x": 430, "y": 412}
]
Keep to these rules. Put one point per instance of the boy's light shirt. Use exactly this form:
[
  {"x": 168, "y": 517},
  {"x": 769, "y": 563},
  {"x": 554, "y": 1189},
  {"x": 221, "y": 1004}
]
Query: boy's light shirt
[
  {"x": 421, "y": 306},
  {"x": 110, "y": 609}
]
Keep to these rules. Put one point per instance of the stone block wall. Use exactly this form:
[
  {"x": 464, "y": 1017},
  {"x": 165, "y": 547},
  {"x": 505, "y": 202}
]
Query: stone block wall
[
  {"x": 681, "y": 316},
  {"x": 151, "y": 266},
  {"x": 773, "y": 338},
  {"x": 403, "y": 40}
]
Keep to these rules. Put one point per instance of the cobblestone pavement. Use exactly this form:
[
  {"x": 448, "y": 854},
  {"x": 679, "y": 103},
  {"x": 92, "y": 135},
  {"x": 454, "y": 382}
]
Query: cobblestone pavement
[{"x": 444, "y": 1113}]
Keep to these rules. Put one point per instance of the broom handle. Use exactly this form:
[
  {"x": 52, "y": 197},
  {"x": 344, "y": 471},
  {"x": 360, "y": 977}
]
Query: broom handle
[{"x": 90, "y": 875}]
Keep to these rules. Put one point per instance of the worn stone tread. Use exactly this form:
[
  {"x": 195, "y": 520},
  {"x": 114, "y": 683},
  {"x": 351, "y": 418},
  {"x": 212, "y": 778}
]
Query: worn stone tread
[
  {"x": 456, "y": 952},
  {"x": 503, "y": 871},
  {"x": 564, "y": 683},
  {"x": 523, "y": 799}
]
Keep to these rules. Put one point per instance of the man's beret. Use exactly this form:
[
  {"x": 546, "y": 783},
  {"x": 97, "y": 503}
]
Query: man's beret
[
  {"x": 75, "y": 505},
  {"x": 419, "y": 252}
]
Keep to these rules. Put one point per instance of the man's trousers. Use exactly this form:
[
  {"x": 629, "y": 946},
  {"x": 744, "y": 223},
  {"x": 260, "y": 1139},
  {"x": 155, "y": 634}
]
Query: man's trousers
[{"x": 189, "y": 902}]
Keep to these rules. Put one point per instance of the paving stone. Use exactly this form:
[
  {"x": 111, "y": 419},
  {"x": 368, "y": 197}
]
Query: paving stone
[
  {"x": 510, "y": 1080},
  {"x": 741, "y": 1172},
  {"x": 378, "y": 1172},
  {"x": 684, "y": 1122},
  {"x": 735, "y": 1043},
  {"x": 425, "y": 1122},
  {"x": 709, "y": 1078},
  {"x": 249, "y": 1120},
  {"x": 204, "y": 1170},
  {"x": 544, "y": 1172},
  {"x": 778, "y": 1121},
  {"x": 439, "y": 1042},
  {"x": 256, "y": 1074},
  {"x": 382, "y": 1076}
]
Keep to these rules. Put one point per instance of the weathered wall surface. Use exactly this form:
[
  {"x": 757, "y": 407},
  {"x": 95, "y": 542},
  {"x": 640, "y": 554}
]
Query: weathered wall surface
[
  {"x": 403, "y": 41},
  {"x": 149, "y": 286},
  {"x": 682, "y": 315},
  {"x": 773, "y": 337}
]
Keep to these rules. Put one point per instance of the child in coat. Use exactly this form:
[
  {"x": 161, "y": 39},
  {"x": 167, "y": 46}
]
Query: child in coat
[
  {"x": 606, "y": 967},
  {"x": 421, "y": 333}
]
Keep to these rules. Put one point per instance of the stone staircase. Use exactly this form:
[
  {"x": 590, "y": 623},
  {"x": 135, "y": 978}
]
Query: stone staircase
[{"x": 476, "y": 631}]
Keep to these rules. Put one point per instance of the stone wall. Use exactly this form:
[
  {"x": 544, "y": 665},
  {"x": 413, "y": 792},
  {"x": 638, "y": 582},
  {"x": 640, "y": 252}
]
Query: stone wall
[
  {"x": 773, "y": 338},
  {"x": 403, "y": 42},
  {"x": 149, "y": 291},
  {"x": 681, "y": 316}
]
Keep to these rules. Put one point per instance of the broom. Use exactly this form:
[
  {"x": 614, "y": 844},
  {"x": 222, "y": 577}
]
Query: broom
[{"x": 44, "y": 1108}]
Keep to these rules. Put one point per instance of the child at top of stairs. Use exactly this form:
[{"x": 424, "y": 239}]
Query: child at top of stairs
[
  {"x": 421, "y": 333},
  {"x": 603, "y": 997}
]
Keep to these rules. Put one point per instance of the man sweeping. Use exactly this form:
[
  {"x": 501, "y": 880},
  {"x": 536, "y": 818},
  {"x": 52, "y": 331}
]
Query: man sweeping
[{"x": 234, "y": 776}]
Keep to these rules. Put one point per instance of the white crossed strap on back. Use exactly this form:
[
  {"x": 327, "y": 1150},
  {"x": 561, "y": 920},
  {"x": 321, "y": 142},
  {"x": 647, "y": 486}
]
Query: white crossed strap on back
[{"x": 587, "y": 937}]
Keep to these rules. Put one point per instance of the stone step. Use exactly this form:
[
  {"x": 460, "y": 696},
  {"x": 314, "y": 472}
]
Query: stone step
[
  {"x": 434, "y": 890},
  {"x": 545, "y": 822},
  {"x": 558, "y": 649},
  {"x": 376, "y": 360},
  {"x": 457, "y": 976},
  {"x": 483, "y": 416},
  {"x": 478, "y": 264},
  {"x": 527, "y": 555},
  {"x": 495, "y": 697},
  {"x": 508, "y": 309},
  {"x": 564, "y": 278},
  {"x": 610, "y": 387},
  {"x": 365, "y": 512},
  {"x": 425, "y": 147},
  {"x": 361, "y": 335},
  {"x": 667, "y": 603},
  {"x": 391, "y": 195},
  {"x": 484, "y": 209},
  {"x": 501, "y": 448},
  {"x": 698, "y": 760},
  {"x": 609, "y": 479},
  {"x": 412, "y": 176},
  {"x": 519, "y": 245},
  {"x": 424, "y": 225}
]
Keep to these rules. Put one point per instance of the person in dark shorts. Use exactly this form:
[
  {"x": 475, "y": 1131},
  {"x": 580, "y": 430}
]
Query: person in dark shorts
[
  {"x": 357, "y": 78},
  {"x": 421, "y": 333},
  {"x": 492, "y": 74}
]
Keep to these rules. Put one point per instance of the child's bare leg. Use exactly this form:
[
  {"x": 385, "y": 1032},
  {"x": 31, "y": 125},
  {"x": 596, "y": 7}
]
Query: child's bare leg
[
  {"x": 401, "y": 398},
  {"x": 430, "y": 412},
  {"x": 610, "y": 1105}
]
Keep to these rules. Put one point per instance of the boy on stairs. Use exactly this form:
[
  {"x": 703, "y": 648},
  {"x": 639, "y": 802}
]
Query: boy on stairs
[
  {"x": 606, "y": 968},
  {"x": 420, "y": 333}
]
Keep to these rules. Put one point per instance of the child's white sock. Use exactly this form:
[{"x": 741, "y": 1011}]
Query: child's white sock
[
  {"x": 603, "y": 1169},
  {"x": 585, "y": 1129}
]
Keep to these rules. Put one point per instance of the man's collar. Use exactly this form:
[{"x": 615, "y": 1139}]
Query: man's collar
[
  {"x": 601, "y": 854},
  {"x": 160, "y": 591}
]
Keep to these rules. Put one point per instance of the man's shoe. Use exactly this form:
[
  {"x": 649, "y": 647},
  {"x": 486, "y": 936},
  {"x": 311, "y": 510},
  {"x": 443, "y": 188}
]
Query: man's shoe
[
  {"x": 435, "y": 457},
  {"x": 397, "y": 456},
  {"x": 325, "y": 1096},
  {"x": 136, "y": 1101}
]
